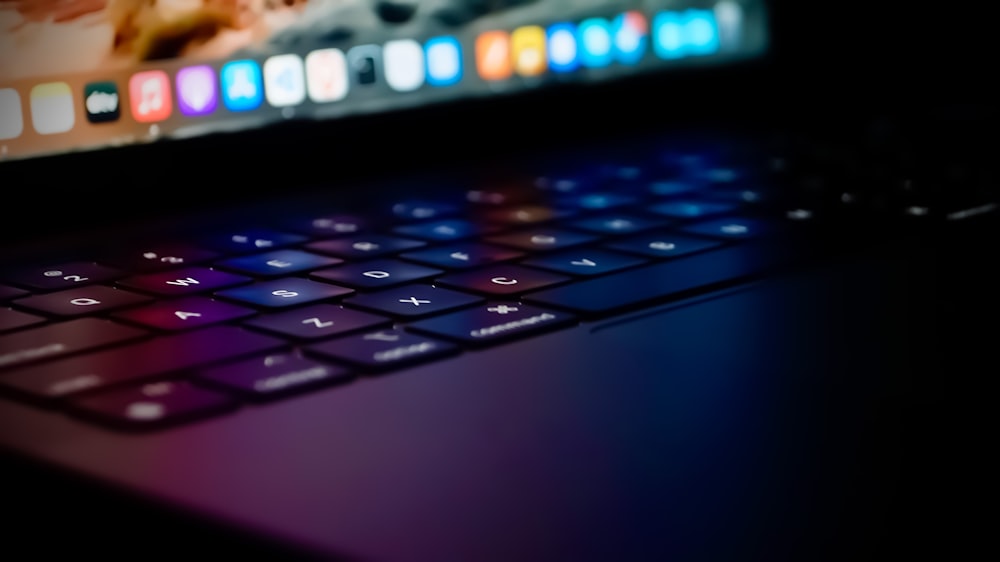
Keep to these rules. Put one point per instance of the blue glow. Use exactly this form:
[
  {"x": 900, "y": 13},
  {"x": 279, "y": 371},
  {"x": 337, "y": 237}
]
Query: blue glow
[
  {"x": 630, "y": 37},
  {"x": 562, "y": 48},
  {"x": 596, "y": 44},
  {"x": 701, "y": 32},
  {"x": 242, "y": 85},
  {"x": 669, "y": 35},
  {"x": 443, "y": 56}
]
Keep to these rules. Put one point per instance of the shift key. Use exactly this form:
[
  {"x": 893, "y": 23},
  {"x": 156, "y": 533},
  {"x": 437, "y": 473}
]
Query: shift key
[
  {"x": 137, "y": 362},
  {"x": 57, "y": 340}
]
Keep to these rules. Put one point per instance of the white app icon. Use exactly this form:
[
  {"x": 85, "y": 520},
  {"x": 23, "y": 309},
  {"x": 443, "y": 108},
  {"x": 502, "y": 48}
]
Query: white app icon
[
  {"x": 284, "y": 81},
  {"x": 11, "y": 120},
  {"x": 52, "y": 108},
  {"x": 404, "y": 65},
  {"x": 326, "y": 75}
]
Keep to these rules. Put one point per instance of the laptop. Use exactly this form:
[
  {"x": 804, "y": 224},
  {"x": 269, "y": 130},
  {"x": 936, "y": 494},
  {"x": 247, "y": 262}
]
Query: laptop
[{"x": 470, "y": 281}]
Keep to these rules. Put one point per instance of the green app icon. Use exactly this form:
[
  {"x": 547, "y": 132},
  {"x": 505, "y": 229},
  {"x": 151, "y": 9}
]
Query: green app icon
[{"x": 102, "y": 101}]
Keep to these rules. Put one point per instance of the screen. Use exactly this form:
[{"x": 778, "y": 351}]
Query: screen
[{"x": 88, "y": 74}]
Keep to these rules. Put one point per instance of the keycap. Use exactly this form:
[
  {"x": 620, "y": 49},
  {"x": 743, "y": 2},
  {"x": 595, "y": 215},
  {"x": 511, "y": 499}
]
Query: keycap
[
  {"x": 462, "y": 256},
  {"x": 8, "y": 293},
  {"x": 184, "y": 281},
  {"x": 62, "y": 276},
  {"x": 597, "y": 201},
  {"x": 584, "y": 261},
  {"x": 412, "y": 301},
  {"x": 282, "y": 293},
  {"x": 317, "y": 322},
  {"x": 493, "y": 323},
  {"x": 672, "y": 188},
  {"x": 152, "y": 406},
  {"x": 445, "y": 230},
  {"x": 184, "y": 314},
  {"x": 139, "y": 361},
  {"x": 663, "y": 244},
  {"x": 370, "y": 246},
  {"x": 64, "y": 338},
  {"x": 734, "y": 228},
  {"x": 692, "y": 208},
  {"x": 273, "y": 376},
  {"x": 387, "y": 349},
  {"x": 253, "y": 240},
  {"x": 14, "y": 319},
  {"x": 526, "y": 214},
  {"x": 277, "y": 263},
  {"x": 502, "y": 279},
  {"x": 617, "y": 224},
  {"x": 329, "y": 225},
  {"x": 375, "y": 274},
  {"x": 159, "y": 257},
  {"x": 421, "y": 209},
  {"x": 661, "y": 281},
  {"x": 82, "y": 301},
  {"x": 541, "y": 239}
]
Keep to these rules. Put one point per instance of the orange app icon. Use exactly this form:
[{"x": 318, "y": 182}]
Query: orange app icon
[
  {"x": 493, "y": 55},
  {"x": 527, "y": 47},
  {"x": 149, "y": 93}
]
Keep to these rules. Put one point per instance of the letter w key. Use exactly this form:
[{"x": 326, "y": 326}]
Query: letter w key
[{"x": 184, "y": 281}]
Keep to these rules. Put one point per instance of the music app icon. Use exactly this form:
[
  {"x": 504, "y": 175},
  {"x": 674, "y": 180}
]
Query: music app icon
[{"x": 149, "y": 93}]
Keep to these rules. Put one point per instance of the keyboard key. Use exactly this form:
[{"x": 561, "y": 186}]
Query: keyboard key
[
  {"x": 63, "y": 276},
  {"x": 153, "y": 405},
  {"x": 330, "y": 225},
  {"x": 184, "y": 314},
  {"x": 159, "y": 257},
  {"x": 256, "y": 240},
  {"x": 10, "y": 293},
  {"x": 542, "y": 239},
  {"x": 598, "y": 201},
  {"x": 442, "y": 230},
  {"x": 620, "y": 291},
  {"x": 317, "y": 322},
  {"x": 526, "y": 214},
  {"x": 493, "y": 323},
  {"x": 136, "y": 362},
  {"x": 412, "y": 301},
  {"x": 82, "y": 301},
  {"x": 14, "y": 319},
  {"x": 184, "y": 281},
  {"x": 273, "y": 376},
  {"x": 501, "y": 279},
  {"x": 462, "y": 256},
  {"x": 375, "y": 274},
  {"x": 278, "y": 263},
  {"x": 692, "y": 208},
  {"x": 672, "y": 188},
  {"x": 617, "y": 224},
  {"x": 64, "y": 338},
  {"x": 388, "y": 349},
  {"x": 359, "y": 247},
  {"x": 731, "y": 228},
  {"x": 586, "y": 262},
  {"x": 419, "y": 210},
  {"x": 282, "y": 293},
  {"x": 663, "y": 245}
]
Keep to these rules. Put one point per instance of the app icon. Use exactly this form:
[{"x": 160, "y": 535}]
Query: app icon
[
  {"x": 668, "y": 35},
  {"x": 326, "y": 75},
  {"x": 149, "y": 93},
  {"x": 444, "y": 61},
  {"x": 404, "y": 65},
  {"x": 196, "y": 91},
  {"x": 52, "y": 108},
  {"x": 594, "y": 39},
  {"x": 630, "y": 31},
  {"x": 102, "y": 102},
  {"x": 11, "y": 118},
  {"x": 701, "y": 32},
  {"x": 527, "y": 47},
  {"x": 284, "y": 80},
  {"x": 493, "y": 55},
  {"x": 365, "y": 62},
  {"x": 242, "y": 86},
  {"x": 562, "y": 48}
]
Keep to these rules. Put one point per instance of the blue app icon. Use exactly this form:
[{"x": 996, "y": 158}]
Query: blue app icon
[
  {"x": 242, "y": 86},
  {"x": 701, "y": 32},
  {"x": 595, "y": 43},
  {"x": 443, "y": 56},
  {"x": 630, "y": 31},
  {"x": 562, "y": 48},
  {"x": 669, "y": 35}
]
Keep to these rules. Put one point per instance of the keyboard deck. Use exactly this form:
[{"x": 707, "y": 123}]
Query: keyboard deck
[{"x": 163, "y": 331}]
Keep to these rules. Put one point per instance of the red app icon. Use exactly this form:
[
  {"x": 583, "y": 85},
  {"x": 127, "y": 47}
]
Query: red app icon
[{"x": 150, "y": 96}]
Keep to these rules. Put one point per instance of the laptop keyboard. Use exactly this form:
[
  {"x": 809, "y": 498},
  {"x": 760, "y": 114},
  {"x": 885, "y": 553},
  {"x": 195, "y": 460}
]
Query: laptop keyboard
[{"x": 174, "y": 330}]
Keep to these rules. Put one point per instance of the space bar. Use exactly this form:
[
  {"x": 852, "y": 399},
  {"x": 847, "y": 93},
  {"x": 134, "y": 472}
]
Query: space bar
[{"x": 675, "y": 278}]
